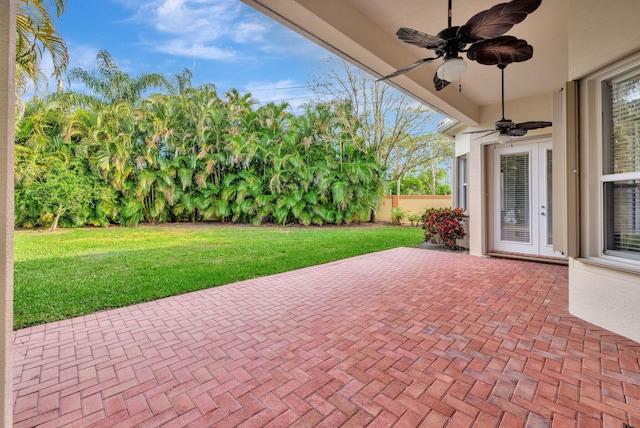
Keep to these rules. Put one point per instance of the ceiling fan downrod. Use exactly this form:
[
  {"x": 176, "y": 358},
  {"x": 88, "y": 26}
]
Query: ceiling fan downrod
[
  {"x": 504, "y": 125},
  {"x": 502, "y": 67}
]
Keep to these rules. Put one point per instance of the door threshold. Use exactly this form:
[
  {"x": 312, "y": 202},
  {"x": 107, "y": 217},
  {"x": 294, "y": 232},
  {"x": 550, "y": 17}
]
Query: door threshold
[{"x": 529, "y": 257}]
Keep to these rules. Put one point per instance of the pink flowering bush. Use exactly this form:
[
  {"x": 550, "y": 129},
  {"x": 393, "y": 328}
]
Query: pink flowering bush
[{"x": 443, "y": 226}]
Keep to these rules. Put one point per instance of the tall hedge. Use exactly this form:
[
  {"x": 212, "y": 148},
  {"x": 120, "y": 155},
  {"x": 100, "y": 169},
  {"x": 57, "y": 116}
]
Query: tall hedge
[{"x": 192, "y": 156}]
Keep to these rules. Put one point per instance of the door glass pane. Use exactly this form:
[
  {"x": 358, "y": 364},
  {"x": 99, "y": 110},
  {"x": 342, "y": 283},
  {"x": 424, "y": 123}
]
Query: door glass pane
[
  {"x": 549, "y": 198},
  {"x": 515, "y": 221}
]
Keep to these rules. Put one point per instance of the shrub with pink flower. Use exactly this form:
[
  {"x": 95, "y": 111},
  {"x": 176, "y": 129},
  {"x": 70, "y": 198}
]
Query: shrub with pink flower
[{"x": 443, "y": 226}]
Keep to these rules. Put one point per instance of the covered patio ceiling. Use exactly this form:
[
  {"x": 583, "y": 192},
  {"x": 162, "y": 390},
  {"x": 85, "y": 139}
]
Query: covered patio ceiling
[{"x": 363, "y": 32}]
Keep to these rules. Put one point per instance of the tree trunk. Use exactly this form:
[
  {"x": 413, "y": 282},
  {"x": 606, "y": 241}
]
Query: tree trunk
[
  {"x": 398, "y": 186},
  {"x": 434, "y": 180},
  {"x": 54, "y": 226},
  {"x": 59, "y": 212}
]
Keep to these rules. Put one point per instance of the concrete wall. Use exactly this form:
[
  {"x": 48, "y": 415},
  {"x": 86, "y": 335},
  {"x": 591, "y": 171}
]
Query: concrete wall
[
  {"x": 414, "y": 203},
  {"x": 7, "y": 92}
]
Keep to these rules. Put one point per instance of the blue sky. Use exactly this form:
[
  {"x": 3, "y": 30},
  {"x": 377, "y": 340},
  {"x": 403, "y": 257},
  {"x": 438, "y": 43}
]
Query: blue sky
[{"x": 223, "y": 42}]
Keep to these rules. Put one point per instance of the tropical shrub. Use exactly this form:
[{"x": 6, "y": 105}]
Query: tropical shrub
[
  {"x": 443, "y": 226},
  {"x": 192, "y": 156},
  {"x": 397, "y": 215},
  {"x": 65, "y": 196},
  {"x": 414, "y": 218}
]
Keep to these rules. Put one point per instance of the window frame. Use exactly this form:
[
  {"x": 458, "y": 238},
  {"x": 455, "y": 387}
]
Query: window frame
[
  {"x": 610, "y": 178},
  {"x": 593, "y": 139},
  {"x": 462, "y": 179}
]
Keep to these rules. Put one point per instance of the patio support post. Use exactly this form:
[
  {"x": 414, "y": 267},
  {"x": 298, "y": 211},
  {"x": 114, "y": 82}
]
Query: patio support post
[{"x": 7, "y": 112}]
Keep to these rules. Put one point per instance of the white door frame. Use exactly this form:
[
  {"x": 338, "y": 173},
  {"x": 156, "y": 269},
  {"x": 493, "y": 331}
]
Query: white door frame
[
  {"x": 545, "y": 202},
  {"x": 531, "y": 238}
]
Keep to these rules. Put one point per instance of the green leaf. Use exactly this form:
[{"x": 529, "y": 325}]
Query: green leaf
[
  {"x": 281, "y": 213},
  {"x": 305, "y": 218},
  {"x": 296, "y": 210},
  {"x": 186, "y": 177},
  {"x": 339, "y": 191}
]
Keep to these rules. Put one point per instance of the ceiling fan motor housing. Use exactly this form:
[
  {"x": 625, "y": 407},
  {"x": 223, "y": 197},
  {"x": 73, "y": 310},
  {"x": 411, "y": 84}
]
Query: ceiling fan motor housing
[
  {"x": 454, "y": 44},
  {"x": 505, "y": 125}
]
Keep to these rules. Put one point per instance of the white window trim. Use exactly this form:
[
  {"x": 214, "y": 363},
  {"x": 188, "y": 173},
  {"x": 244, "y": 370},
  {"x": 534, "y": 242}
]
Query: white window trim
[
  {"x": 462, "y": 189},
  {"x": 591, "y": 170}
]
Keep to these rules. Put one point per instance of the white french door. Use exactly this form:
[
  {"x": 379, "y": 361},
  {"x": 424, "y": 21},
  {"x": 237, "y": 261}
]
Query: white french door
[{"x": 522, "y": 205}]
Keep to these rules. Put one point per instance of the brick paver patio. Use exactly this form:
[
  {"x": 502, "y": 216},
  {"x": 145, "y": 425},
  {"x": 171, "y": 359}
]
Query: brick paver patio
[{"x": 404, "y": 337}]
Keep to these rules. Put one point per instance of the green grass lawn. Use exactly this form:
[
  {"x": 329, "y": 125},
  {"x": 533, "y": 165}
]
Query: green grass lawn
[{"x": 76, "y": 272}]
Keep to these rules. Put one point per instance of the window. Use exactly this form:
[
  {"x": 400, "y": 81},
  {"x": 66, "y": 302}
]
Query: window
[
  {"x": 515, "y": 224},
  {"x": 462, "y": 182},
  {"x": 621, "y": 166}
]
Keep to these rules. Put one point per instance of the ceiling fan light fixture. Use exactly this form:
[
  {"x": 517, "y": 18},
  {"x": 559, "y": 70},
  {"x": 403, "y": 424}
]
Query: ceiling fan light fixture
[
  {"x": 503, "y": 138},
  {"x": 451, "y": 69}
]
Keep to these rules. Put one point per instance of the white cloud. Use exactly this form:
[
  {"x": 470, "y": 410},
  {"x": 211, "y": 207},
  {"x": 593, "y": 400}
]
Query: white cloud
[
  {"x": 82, "y": 56},
  {"x": 195, "y": 50},
  {"x": 192, "y": 17},
  {"x": 248, "y": 32},
  {"x": 201, "y": 29},
  {"x": 215, "y": 30}
]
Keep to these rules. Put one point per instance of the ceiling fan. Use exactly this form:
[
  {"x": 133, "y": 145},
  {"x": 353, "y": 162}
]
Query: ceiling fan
[
  {"x": 482, "y": 31},
  {"x": 507, "y": 128}
]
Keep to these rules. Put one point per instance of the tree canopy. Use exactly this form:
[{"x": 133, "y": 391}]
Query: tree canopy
[
  {"x": 147, "y": 148},
  {"x": 35, "y": 35},
  {"x": 186, "y": 154},
  {"x": 397, "y": 128}
]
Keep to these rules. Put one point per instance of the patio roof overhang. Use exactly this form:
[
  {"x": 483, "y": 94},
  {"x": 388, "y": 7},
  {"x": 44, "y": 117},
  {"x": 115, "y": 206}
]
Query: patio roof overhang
[{"x": 363, "y": 33}]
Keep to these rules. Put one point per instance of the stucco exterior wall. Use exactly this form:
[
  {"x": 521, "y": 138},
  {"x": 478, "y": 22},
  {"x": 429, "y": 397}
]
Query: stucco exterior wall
[
  {"x": 600, "y": 34},
  {"x": 538, "y": 107},
  {"x": 476, "y": 199},
  {"x": 605, "y": 297},
  {"x": 414, "y": 203},
  {"x": 7, "y": 91}
]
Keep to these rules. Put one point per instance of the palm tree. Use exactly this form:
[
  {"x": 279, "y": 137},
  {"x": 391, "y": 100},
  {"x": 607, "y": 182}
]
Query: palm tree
[
  {"x": 110, "y": 85},
  {"x": 35, "y": 34}
]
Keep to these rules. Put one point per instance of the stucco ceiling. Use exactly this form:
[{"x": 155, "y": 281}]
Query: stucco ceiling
[{"x": 363, "y": 31}]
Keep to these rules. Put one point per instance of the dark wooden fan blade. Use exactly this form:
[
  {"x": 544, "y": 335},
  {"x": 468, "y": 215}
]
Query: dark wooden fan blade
[
  {"x": 480, "y": 131},
  {"x": 501, "y": 50},
  {"x": 533, "y": 125},
  {"x": 407, "y": 68},
  {"x": 418, "y": 38},
  {"x": 439, "y": 83},
  {"x": 516, "y": 132},
  {"x": 486, "y": 135},
  {"x": 498, "y": 20}
]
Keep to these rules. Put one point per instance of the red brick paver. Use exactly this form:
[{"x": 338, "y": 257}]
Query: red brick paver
[{"x": 404, "y": 338}]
